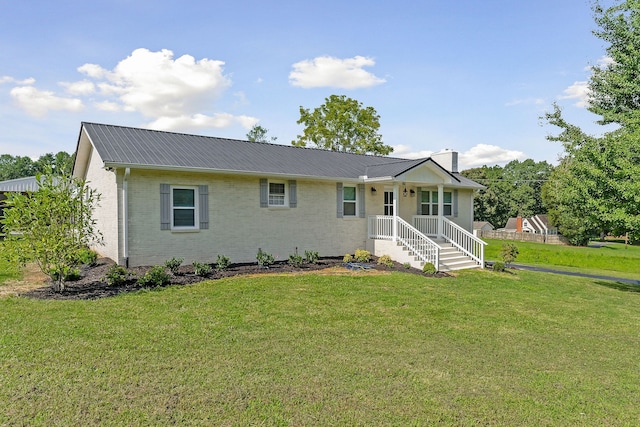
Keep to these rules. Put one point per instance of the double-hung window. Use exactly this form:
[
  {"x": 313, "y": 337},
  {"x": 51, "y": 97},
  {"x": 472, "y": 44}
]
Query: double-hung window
[
  {"x": 277, "y": 194},
  {"x": 184, "y": 207},
  {"x": 349, "y": 201},
  {"x": 429, "y": 203}
]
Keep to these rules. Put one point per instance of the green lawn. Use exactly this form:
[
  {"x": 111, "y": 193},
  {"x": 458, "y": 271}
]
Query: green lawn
[
  {"x": 479, "y": 349},
  {"x": 613, "y": 259}
]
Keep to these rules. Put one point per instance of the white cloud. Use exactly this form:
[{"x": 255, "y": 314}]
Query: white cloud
[
  {"x": 480, "y": 155},
  {"x": 579, "y": 91},
  {"x": 83, "y": 87},
  {"x": 38, "y": 102},
  {"x": 526, "y": 101},
  {"x": 327, "y": 71},
  {"x": 108, "y": 106},
  {"x": 9, "y": 79},
  {"x": 603, "y": 62},
  {"x": 200, "y": 121}
]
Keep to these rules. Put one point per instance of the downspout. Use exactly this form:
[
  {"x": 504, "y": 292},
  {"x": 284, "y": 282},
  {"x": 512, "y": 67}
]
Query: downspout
[
  {"x": 125, "y": 215},
  {"x": 440, "y": 208},
  {"x": 394, "y": 224}
]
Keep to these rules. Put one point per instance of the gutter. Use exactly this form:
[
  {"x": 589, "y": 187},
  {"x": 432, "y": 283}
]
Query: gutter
[{"x": 125, "y": 215}]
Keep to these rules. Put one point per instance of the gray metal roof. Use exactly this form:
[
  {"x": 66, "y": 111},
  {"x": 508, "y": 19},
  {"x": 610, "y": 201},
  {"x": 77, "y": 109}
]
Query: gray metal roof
[
  {"x": 19, "y": 185},
  {"x": 126, "y": 146}
]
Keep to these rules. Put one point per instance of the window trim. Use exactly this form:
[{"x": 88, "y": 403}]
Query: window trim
[
  {"x": 430, "y": 204},
  {"x": 285, "y": 203},
  {"x": 196, "y": 208},
  {"x": 355, "y": 202}
]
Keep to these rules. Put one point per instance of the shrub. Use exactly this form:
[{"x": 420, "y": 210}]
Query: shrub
[
  {"x": 296, "y": 260},
  {"x": 498, "y": 266},
  {"x": 154, "y": 277},
  {"x": 69, "y": 274},
  {"x": 222, "y": 263},
  {"x": 347, "y": 258},
  {"x": 386, "y": 261},
  {"x": 201, "y": 269},
  {"x": 265, "y": 259},
  {"x": 86, "y": 256},
  {"x": 174, "y": 264},
  {"x": 407, "y": 265},
  {"x": 509, "y": 253},
  {"x": 117, "y": 275},
  {"x": 429, "y": 268},
  {"x": 311, "y": 257},
  {"x": 362, "y": 255}
]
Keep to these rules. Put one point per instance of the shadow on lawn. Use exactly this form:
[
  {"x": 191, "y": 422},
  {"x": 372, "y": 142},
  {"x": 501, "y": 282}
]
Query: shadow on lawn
[{"x": 619, "y": 286}]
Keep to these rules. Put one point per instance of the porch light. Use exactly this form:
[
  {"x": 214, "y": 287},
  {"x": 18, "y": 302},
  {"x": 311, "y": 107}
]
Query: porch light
[
  {"x": 412, "y": 193},
  {"x": 373, "y": 190},
  {"x": 404, "y": 192}
]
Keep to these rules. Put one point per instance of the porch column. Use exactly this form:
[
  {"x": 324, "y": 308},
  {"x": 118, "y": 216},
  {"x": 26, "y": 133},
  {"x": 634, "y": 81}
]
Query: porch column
[
  {"x": 395, "y": 212},
  {"x": 440, "y": 207}
]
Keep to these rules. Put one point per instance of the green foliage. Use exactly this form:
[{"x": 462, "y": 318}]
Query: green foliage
[
  {"x": 265, "y": 259},
  {"x": 86, "y": 256},
  {"x": 347, "y": 258},
  {"x": 595, "y": 188},
  {"x": 311, "y": 257},
  {"x": 174, "y": 264},
  {"x": 407, "y": 265},
  {"x": 64, "y": 273},
  {"x": 22, "y": 166},
  {"x": 52, "y": 226},
  {"x": 117, "y": 275},
  {"x": 222, "y": 263},
  {"x": 259, "y": 134},
  {"x": 498, "y": 266},
  {"x": 429, "y": 268},
  {"x": 386, "y": 261},
  {"x": 157, "y": 276},
  {"x": 201, "y": 269},
  {"x": 362, "y": 255},
  {"x": 342, "y": 124},
  {"x": 296, "y": 260},
  {"x": 509, "y": 253}
]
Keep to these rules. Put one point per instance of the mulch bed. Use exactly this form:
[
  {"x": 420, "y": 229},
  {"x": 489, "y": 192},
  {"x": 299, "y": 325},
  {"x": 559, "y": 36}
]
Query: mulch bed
[{"x": 91, "y": 284}]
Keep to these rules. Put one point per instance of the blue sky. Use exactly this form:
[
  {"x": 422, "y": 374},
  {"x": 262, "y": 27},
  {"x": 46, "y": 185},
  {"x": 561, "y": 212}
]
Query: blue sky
[{"x": 473, "y": 76}]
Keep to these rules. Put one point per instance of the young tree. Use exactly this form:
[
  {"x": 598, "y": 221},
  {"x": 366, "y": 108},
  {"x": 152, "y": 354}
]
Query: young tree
[
  {"x": 51, "y": 226},
  {"x": 259, "y": 134},
  {"x": 342, "y": 124},
  {"x": 595, "y": 188}
]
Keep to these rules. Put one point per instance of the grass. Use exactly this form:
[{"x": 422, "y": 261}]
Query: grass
[
  {"x": 7, "y": 270},
  {"x": 612, "y": 259},
  {"x": 397, "y": 349}
]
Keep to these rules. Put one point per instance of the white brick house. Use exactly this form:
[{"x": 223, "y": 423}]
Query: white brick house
[{"x": 169, "y": 195}]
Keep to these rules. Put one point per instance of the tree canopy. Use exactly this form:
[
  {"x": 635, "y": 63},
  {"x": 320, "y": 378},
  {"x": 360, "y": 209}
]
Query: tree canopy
[
  {"x": 13, "y": 167},
  {"x": 342, "y": 124},
  {"x": 596, "y": 188},
  {"x": 259, "y": 134}
]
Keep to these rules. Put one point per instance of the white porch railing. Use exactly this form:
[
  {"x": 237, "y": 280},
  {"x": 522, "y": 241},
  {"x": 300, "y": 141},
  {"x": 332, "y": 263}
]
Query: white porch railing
[
  {"x": 382, "y": 227},
  {"x": 453, "y": 233}
]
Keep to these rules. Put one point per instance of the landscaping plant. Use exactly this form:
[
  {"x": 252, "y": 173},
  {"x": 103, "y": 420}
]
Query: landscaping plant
[
  {"x": 362, "y": 255},
  {"x": 174, "y": 264},
  {"x": 509, "y": 253},
  {"x": 265, "y": 259},
  {"x": 222, "y": 263},
  {"x": 201, "y": 269},
  {"x": 117, "y": 275},
  {"x": 154, "y": 277},
  {"x": 386, "y": 261}
]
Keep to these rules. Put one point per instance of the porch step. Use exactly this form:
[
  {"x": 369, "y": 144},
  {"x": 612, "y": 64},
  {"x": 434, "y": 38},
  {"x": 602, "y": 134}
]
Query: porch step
[{"x": 451, "y": 259}]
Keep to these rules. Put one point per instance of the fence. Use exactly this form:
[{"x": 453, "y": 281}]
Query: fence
[{"x": 551, "y": 239}]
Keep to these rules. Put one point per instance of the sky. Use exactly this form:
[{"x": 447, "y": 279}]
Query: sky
[{"x": 471, "y": 76}]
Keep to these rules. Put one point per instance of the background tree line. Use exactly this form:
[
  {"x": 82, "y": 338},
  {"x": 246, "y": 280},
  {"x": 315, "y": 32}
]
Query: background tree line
[{"x": 13, "y": 167}]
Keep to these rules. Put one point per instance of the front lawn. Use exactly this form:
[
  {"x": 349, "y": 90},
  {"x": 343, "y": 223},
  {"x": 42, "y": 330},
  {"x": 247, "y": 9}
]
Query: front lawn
[
  {"x": 603, "y": 258},
  {"x": 397, "y": 349}
]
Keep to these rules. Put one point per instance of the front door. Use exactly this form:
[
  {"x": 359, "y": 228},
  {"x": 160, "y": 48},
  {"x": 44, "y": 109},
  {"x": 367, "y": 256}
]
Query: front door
[{"x": 388, "y": 203}]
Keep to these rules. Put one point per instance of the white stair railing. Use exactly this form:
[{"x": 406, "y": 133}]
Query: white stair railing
[
  {"x": 381, "y": 227},
  {"x": 469, "y": 244},
  {"x": 424, "y": 248}
]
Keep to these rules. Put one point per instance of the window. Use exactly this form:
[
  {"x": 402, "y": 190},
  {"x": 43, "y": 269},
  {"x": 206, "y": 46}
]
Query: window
[
  {"x": 429, "y": 203},
  {"x": 277, "y": 194},
  {"x": 184, "y": 208},
  {"x": 349, "y": 201}
]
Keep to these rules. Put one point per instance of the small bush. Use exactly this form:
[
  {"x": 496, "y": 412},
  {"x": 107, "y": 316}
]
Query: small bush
[
  {"x": 311, "y": 257},
  {"x": 174, "y": 264},
  {"x": 117, "y": 275},
  {"x": 154, "y": 277},
  {"x": 87, "y": 257},
  {"x": 509, "y": 253},
  {"x": 347, "y": 258},
  {"x": 296, "y": 260},
  {"x": 498, "y": 266},
  {"x": 407, "y": 265},
  {"x": 68, "y": 273},
  {"x": 265, "y": 259},
  {"x": 222, "y": 263},
  {"x": 362, "y": 255},
  {"x": 201, "y": 269},
  {"x": 386, "y": 261},
  {"x": 429, "y": 268}
]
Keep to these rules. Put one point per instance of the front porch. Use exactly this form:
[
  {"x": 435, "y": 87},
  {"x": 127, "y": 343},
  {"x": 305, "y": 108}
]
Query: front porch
[{"x": 427, "y": 239}]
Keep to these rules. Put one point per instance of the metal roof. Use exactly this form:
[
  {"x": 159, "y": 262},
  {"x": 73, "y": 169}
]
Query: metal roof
[
  {"x": 131, "y": 147},
  {"x": 19, "y": 185}
]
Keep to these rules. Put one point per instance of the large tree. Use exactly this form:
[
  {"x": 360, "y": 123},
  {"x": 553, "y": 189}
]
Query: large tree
[
  {"x": 259, "y": 134},
  {"x": 13, "y": 167},
  {"x": 342, "y": 124},
  {"x": 596, "y": 188},
  {"x": 51, "y": 226}
]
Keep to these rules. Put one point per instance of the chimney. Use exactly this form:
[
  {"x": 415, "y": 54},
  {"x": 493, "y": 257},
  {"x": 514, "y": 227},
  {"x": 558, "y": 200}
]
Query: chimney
[
  {"x": 448, "y": 159},
  {"x": 519, "y": 224}
]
